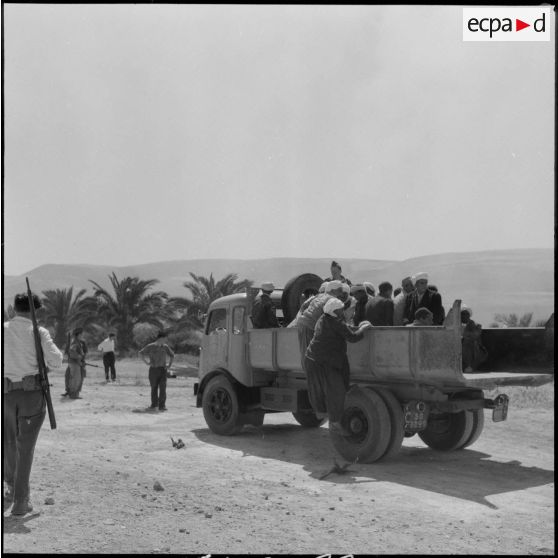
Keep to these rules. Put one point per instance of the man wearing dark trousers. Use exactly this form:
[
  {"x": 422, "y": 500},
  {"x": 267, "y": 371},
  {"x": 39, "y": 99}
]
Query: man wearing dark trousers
[
  {"x": 23, "y": 400},
  {"x": 109, "y": 359},
  {"x": 155, "y": 356}
]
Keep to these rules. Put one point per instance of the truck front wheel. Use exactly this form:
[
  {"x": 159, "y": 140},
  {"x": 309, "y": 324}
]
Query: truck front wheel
[
  {"x": 448, "y": 431},
  {"x": 220, "y": 407},
  {"x": 308, "y": 419}
]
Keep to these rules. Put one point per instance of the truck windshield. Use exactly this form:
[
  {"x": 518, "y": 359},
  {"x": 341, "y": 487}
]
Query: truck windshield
[{"x": 217, "y": 321}]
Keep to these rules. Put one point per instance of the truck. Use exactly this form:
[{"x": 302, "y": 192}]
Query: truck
[{"x": 404, "y": 381}]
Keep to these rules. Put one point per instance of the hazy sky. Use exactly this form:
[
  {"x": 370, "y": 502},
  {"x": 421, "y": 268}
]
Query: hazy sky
[{"x": 142, "y": 133}]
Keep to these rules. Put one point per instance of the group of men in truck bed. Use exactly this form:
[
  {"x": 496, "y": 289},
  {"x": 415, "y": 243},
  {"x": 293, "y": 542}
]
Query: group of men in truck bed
[{"x": 416, "y": 303}]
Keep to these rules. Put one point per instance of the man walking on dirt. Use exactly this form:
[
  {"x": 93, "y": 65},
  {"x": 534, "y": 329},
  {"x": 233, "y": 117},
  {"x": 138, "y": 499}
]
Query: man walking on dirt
[
  {"x": 109, "y": 359},
  {"x": 23, "y": 400},
  {"x": 155, "y": 356}
]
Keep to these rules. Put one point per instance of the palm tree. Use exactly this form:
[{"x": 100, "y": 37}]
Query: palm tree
[
  {"x": 190, "y": 313},
  {"x": 62, "y": 312},
  {"x": 130, "y": 304}
]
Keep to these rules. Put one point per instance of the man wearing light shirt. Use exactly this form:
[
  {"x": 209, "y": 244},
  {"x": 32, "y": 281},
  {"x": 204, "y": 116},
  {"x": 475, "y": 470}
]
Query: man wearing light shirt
[
  {"x": 23, "y": 400},
  {"x": 155, "y": 356},
  {"x": 109, "y": 359}
]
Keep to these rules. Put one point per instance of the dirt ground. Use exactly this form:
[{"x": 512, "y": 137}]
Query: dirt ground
[{"x": 94, "y": 477}]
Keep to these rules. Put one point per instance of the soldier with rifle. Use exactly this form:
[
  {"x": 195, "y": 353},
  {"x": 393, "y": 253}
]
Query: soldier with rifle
[{"x": 26, "y": 393}]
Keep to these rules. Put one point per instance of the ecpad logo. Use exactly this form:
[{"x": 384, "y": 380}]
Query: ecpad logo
[{"x": 507, "y": 24}]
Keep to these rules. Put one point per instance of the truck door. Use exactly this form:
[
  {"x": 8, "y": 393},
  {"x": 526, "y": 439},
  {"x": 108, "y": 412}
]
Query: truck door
[
  {"x": 237, "y": 345},
  {"x": 217, "y": 337}
]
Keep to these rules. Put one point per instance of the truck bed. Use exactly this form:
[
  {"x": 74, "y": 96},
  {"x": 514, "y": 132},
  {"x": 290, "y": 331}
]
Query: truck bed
[{"x": 429, "y": 355}]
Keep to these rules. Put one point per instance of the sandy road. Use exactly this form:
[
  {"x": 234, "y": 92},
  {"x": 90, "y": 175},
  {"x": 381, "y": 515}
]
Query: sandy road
[{"x": 260, "y": 491}]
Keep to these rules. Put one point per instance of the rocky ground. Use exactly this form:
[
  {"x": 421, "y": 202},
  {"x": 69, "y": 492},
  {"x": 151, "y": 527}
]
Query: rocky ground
[{"x": 108, "y": 480}]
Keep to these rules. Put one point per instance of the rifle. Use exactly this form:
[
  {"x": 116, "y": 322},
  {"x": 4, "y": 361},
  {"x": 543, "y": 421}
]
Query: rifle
[
  {"x": 94, "y": 365},
  {"x": 43, "y": 370}
]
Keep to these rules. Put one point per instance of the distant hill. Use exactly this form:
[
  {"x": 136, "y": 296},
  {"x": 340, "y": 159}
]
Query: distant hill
[{"x": 500, "y": 281}]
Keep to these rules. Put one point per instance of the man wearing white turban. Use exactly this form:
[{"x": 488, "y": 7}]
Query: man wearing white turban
[
  {"x": 306, "y": 322},
  {"x": 326, "y": 363},
  {"x": 423, "y": 297}
]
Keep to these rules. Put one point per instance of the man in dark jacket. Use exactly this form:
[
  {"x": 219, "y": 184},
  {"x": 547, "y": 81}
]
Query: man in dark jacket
[
  {"x": 327, "y": 365},
  {"x": 421, "y": 297},
  {"x": 362, "y": 298},
  {"x": 379, "y": 310},
  {"x": 263, "y": 311}
]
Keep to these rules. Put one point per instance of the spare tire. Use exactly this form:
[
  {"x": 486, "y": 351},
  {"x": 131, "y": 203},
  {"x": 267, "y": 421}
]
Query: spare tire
[{"x": 306, "y": 284}]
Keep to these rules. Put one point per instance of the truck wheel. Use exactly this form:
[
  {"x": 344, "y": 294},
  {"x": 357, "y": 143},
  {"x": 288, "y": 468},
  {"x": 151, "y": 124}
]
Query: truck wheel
[
  {"x": 397, "y": 420},
  {"x": 447, "y": 431},
  {"x": 367, "y": 419},
  {"x": 478, "y": 425},
  {"x": 220, "y": 406},
  {"x": 308, "y": 419},
  {"x": 295, "y": 287}
]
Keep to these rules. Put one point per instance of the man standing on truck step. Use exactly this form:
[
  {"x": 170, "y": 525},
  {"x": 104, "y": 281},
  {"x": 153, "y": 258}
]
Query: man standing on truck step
[
  {"x": 307, "y": 321},
  {"x": 23, "y": 399},
  {"x": 263, "y": 311},
  {"x": 157, "y": 353},
  {"x": 327, "y": 365},
  {"x": 423, "y": 297}
]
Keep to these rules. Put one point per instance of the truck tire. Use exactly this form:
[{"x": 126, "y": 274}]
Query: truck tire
[
  {"x": 447, "y": 431},
  {"x": 308, "y": 419},
  {"x": 367, "y": 419},
  {"x": 294, "y": 289},
  {"x": 397, "y": 420},
  {"x": 478, "y": 425},
  {"x": 220, "y": 407}
]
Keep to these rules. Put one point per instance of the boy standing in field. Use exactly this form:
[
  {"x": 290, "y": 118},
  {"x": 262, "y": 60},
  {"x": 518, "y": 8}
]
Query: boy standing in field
[{"x": 155, "y": 356}]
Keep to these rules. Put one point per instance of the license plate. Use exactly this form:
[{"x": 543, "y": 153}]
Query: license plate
[{"x": 500, "y": 411}]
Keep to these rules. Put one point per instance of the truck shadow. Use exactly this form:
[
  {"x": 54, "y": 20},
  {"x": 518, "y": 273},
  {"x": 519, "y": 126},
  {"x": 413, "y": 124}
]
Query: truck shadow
[{"x": 466, "y": 474}]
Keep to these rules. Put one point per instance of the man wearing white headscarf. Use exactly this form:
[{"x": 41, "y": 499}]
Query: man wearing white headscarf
[
  {"x": 327, "y": 365},
  {"x": 423, "y": 297},
  {"x": 307, "y": 321}
]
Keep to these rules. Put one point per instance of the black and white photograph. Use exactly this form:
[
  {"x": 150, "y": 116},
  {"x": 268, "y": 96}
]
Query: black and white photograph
[{"x": 278, "y": 279}]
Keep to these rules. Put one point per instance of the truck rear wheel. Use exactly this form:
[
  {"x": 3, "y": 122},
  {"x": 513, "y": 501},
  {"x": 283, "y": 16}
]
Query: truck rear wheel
[
  {"x": 220, "y": 406},
  {"x": 448, "y": 431},
  {"x": 478, "y": 425},
  {"x": 397, "y": 420},
  {"x": 308, "y": 419},
  {"x": 367, "y": 419}
]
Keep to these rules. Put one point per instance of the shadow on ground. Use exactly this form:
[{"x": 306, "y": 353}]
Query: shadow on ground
[
  {"x": 17, "y": 525},
  {"x": 465, "y": 474}
]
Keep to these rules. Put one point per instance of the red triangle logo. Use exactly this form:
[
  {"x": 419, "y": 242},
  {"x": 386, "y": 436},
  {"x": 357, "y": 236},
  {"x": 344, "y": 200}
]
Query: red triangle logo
[{"x": 519, "y": 25}]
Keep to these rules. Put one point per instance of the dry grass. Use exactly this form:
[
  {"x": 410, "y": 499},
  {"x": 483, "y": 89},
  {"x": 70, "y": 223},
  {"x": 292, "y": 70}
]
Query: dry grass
[{"x": 133, "y": 371}]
